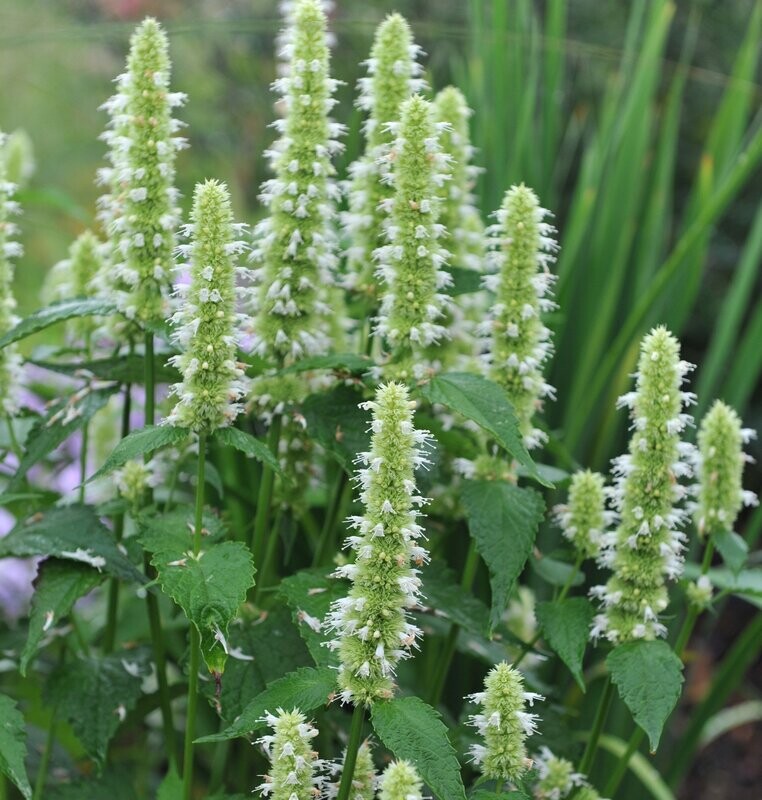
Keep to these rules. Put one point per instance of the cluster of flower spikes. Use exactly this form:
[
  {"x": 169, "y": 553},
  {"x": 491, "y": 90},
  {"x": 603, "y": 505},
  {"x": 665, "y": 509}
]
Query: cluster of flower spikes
[
  {"x": 522, "y": 248},
  {"x": 295, "y": 772},
  {"x": 372, "y": 624},
  {"x": 720, "y": 462},
  {"x": 556, "y": 778},
  {"x": 10, "y": 359},
  {"x": 394, "y": 74},
  {"x": 207, "y": 324},
  {"x": 584, "y": 518},
  {"x": 411, "y": 261},
  {"x": 363, "y": 781},
  {"x": 645, "y": 549},
  {"x": 400, "y": 781},
  {"x": 139, "y": 211},
  {"x": 295, "y": 246},
  {"x": 504, "y": 724}
]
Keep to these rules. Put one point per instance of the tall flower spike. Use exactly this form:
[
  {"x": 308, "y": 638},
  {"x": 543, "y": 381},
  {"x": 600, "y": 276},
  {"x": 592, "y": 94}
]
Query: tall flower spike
[
  {"x": 584, "y": 519},
  {"x": 720, "y": 465},
  {"x": 519, "y": 343},
  {"x": 393, "y": 75},
  {"x": 645, "y": 550},
  {"x": 141, "y": 209},
  {"x": 410, "y": 263},
  {"x": 372, "y": 622},
  {"x": 400, "y": 781},
  {"x": 504, "y": 724},
  {"x": 206, "y": 327},
  {"x": 295, "y": 767},
  {"x": 556, "y": 778},
  {"x": 295, "y": 247},
  {"x": 363, "y": 781},
  {"x": 10, "y": 359}
]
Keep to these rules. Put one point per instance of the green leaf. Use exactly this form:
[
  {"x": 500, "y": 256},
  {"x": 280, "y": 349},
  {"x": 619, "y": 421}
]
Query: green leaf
[
  {"x": 59, "y": 584},
  {"x": 649, "y": 677},
  {"x": 747, "y": 583},
  {"x": 209, "y": 588},
  {"x": 565, "y": 626},
  {"x": 307, "y": 689},
  {"x": 483, "y": 794},
  {"x": 413, "y": 730},
  {"x": 115, "y": 785},
  {"x": 57, "y": 312},
  {"x": 173, "y": 530},
  {"x": 503, "y": 520},
  {"x": 464, "y": 281},
  {"x": 249, "y": 445},
  {"x": 171, "y": 788},
  {"x": 447, "y": 598},
  {"x": 59, "y": 423},
  {"x": 139, "y": 443},
  {"x": 129, "y": 368},
  {"x": 343, "y": 362},
  {"x": 13, "y": 745},
  {"x": 73, "y": 533},
  {"x": 732, "y": 548},
  {"x": 94, "y": 694},
  {"x": 486, "y": 404},
  {"x": 555, "y": 572}
]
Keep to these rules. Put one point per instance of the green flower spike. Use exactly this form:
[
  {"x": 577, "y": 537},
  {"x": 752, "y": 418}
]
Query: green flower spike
[
  {"x": 206, "y": 328},
  {"x": 133, "y": 479},
  {"x": 140, "y": 210},
  {"x": 295, "y": 767},
  {"x": 645, "y": 549},
  {"x": 393, "y": 76},
  {"x": 556, "y": 777},
  {"x": 10, "y": 359},
  {"x": 411, "y": 263},
  {"x": 400, "y": 781},
  {"x": 519, "y": 343},
  {"x": 295, "y": 247},
  {"x": 372, "y": 622},
  {"x": 720, "y": 465},
  {"x": 584, "y": 519},
  {"x": 504, "y": 724},
  {"x": 363, "y": 781}
]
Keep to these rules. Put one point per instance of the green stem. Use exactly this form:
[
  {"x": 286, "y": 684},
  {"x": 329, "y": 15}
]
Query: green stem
[
  {"x": 195, "y": 637},
  {"x": 600, "y": 720},
  {"x": 265, "y": 496},
  {"x": 624, "y": 762},
  {"x": 331, "y": 516},
  {"x": 355, "y": 737},
  {"x": 15, "y": 447},
  {"x": 42, "y": 772},
  {"x": 83, "y": 464},
  {"x": 272, "y": 542}
]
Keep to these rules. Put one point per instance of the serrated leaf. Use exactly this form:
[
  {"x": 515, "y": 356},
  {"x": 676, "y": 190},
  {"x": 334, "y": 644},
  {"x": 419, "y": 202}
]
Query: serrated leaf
[
  {"x": 335, "y": 421},
  {"x": 413, "y": 730},
  {"x": 447, "y": 598},
  {"x": 649, "y": 678},
  {"x": 73, "y": 533},
  {"x": 173, "y": 530},
  {"x": 94, "y": 695},
  {"x": 249, "y": 445},
  {"x": 485, "y": 403},
  {"x": 503, "y": 520},
  {"x": 565, "y": 626},
  {"x": 346, "y": 362},
  {"x": 13, "y": 745},
  {"x": 209, "y": 588},
  {"x": 732, "y": 548},
  {"x": 140, "y": 443},
  {"x": 49, "y": 432},
  {"x": 307, "y": 688},
  {"x": 57, "y": 312},
  {"x": 128, "y": 368},
  {"x": 59, "y": 584}
]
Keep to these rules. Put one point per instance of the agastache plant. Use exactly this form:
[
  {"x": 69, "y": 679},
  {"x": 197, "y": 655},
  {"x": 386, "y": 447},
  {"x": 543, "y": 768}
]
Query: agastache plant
[
  {"x": 394, "y": 74},
  {"x": 519, "y": 343},
  {"x": 400, "y": 781},
  {"x": 363, "y": 779},
  {"x": 207, "y": 325},
  {"x": 556, "y": 778},
  {"x": 645, "y": 550},
  {"x": 372, "y": 622},
  {"x": 295, "y": 246},
  {"x": 584, "y": 518}
]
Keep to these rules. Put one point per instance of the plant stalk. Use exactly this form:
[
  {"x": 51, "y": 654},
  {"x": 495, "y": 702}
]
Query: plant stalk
[
  {"x": 600, "y": 720},
  {"x": 264, "y": 496},
  {"x": 353, "y": 745},
  {"x": 331, "y": 516}
]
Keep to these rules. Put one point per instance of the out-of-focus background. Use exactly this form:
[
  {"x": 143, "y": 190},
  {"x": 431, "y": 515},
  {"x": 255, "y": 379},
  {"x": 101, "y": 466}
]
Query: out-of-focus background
[{"x": 638, "y": 123}]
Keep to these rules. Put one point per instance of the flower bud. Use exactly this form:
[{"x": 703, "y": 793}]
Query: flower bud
[
  {"x": 584, "y": 519},
  {"x": 556, "y": 778},
  {"x": 400, "y": 781}
]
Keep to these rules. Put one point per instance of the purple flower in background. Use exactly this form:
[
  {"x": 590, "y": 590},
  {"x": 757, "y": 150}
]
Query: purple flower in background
[{"x": 16, "y": 576}]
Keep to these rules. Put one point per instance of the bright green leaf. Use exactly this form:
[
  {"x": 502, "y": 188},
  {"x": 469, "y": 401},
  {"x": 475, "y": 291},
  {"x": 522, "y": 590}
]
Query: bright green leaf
[
  {"x": 732, "y": 548},
  {"x": 565, "y": 626},
  {"x": 171, "y": 788},
  {"x": 555, "y": 572},
  {"x": 13, "y": 745},
  {"x": 128, "y": 368},
  {"x": 140, "y": 443},
  {"x": 247, "y": 444}
]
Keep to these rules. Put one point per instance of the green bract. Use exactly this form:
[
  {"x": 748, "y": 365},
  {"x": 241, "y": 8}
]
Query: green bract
[
  {"x": 518, "y": 341},
  {"x": 584, "y": 519},
  {"x": 504, "y": 724},
  {"x": 400, "y": 781},
  {"x": 372, "y": 623},
  {"x": 207, "y": 325},
  {"x": 646, "y": 547},
  {"x": 295, "y": 245},
  {"x": 720, "y": 465}
]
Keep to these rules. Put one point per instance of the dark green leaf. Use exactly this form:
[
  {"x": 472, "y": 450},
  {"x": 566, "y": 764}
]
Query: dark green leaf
[
  {"x": 57, "y": 312},
  {"x": 59, "y": 584},
  {"x": 464, "y": 281},
  {"x": 13, "y": 745},
  {"x": 249, "y": 445},
  {"x": 486, "y": 404},
  {"x": 140, "y": 443},
  {"x": 747, "y": 583},
  {"x": 129, "y": 368},
  {"x": 649, "y": 677},
  {"x": 503, "y": 520},
  {"x": 483, "y": 794},
  {"x": 173, "y": 530},
  {"x": 70, "y": 532},
  {"x": 732, "y": 548},
  {"x": 447, "y": 598},
  {"x": 344, "y": 362},
  {"x": 555, "y": 572},
  {"x": 565, "y": 626},
  {"x": 413, "y": 730},
  {"x": 307, "y": 689}
]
